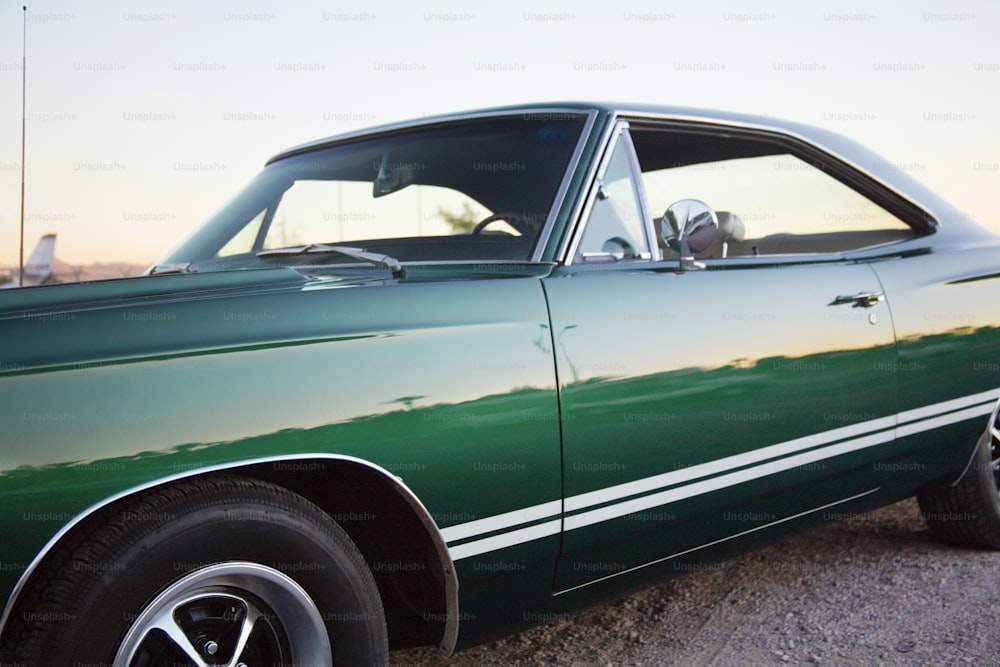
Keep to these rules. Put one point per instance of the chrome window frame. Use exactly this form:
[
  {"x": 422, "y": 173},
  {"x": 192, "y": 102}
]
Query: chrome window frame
[
  {"x": 617, "y": 135},
  {"x": 537, "y": 254}
]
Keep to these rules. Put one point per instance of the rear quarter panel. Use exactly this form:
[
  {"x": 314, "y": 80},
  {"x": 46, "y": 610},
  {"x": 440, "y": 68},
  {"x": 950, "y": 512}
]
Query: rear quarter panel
[{"x": 944, "y": 309}]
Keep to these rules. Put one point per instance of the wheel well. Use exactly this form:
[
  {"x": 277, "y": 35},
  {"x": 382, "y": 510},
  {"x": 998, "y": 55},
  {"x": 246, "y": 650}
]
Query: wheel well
[
  {"x": 386, "y": 529},
  {"x": 417, "y": 593}
]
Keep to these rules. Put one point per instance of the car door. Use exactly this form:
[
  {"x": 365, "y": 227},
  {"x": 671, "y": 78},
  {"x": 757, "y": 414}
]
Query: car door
[{"x": 717, "y": 396}]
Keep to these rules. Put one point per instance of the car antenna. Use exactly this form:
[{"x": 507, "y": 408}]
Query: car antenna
[{"x": 24, "y": 80}]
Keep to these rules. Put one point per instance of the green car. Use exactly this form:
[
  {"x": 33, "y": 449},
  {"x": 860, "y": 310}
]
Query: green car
[{"x": 439, "y": 381}]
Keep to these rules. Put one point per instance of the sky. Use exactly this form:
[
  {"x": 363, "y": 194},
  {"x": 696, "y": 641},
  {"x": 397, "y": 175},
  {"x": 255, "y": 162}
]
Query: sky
[{"x": 144, "y": 118}]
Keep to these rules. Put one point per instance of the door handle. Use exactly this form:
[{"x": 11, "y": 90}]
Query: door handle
[{"x": 862, "y": 299}]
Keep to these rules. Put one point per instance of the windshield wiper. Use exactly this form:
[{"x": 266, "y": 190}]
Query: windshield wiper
[
  {"x": 181, "y": 267},
  {"x": 384, "y": 261}
]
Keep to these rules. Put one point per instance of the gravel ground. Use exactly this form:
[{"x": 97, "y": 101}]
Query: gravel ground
[{"x": 875, "y": 590}]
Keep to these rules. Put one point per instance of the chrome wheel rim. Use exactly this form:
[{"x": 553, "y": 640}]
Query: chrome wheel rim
[{"x": 228, "y": 614}]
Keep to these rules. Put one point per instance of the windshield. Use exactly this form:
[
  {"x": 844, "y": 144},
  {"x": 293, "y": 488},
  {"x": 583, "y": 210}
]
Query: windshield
[{"x": 479, "y": 189}]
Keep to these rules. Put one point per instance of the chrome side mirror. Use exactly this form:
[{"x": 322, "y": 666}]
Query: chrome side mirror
[{"x": 689, "y": 226}]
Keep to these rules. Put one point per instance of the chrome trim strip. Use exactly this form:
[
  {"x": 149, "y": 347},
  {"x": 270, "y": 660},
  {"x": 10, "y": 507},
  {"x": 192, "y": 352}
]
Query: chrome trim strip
[
  {"x": 557, "y": 203},
  {"x": 945, "y": 406},
  {"x": 636, "y": 487},
  {"x": 719, "y": 541},
  {"x": 492, "y": 524},
  {"x": 652, "y": 239},
  {"x": 944, "y": 420},
  {"x": 714, "y": 475},
  {"x": 581, "y": 209},
  {"x": 619, "y": 132},
  {"x": 723, "y": 481},
  {"x": 505, "y": 540},
  {"x": 449, "y": 638}
]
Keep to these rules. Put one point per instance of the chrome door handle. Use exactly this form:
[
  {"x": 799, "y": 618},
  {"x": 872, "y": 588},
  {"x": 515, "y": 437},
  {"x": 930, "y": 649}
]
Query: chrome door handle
[{"x": 863, "y": 299}]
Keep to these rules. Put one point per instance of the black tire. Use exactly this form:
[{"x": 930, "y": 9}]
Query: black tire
[
  {"x": 968, "y": 513},
  {"x": 206, "y": 559}
]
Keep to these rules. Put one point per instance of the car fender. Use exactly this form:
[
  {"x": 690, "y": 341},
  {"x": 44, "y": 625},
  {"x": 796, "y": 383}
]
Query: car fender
[{"x": 449, "y": 637}]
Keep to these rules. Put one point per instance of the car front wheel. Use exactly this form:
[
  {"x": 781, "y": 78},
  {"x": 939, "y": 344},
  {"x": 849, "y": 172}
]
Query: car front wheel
[{"x": 218, "y": 571}]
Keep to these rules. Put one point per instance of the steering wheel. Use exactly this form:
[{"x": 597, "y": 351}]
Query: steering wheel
[
  {"x": 618, "y": 244},
  {"x": 518, "y": 221}
]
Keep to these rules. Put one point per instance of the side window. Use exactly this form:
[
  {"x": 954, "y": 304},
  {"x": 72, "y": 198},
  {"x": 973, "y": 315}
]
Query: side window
[
  {"x": 616, "y": 227},
  {"x": 768, "y": 200}
]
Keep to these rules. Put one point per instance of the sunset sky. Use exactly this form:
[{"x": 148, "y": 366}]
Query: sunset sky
[{"x": 143, "y": 118}]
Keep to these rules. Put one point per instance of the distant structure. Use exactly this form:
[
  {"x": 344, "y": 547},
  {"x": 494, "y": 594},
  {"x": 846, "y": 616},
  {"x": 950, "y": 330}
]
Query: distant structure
[{"x": 38, "y": 269}]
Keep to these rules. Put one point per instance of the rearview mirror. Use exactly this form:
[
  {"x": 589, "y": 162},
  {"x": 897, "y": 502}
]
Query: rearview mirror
[
  {"x": 391, "y": 177},
  {"x": 689, "y": 226}
]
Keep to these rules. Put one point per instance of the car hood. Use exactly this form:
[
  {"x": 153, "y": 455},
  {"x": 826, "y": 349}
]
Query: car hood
[
  {"x": 67, "y": 297},
  {"x": 74, "y": 326}
]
